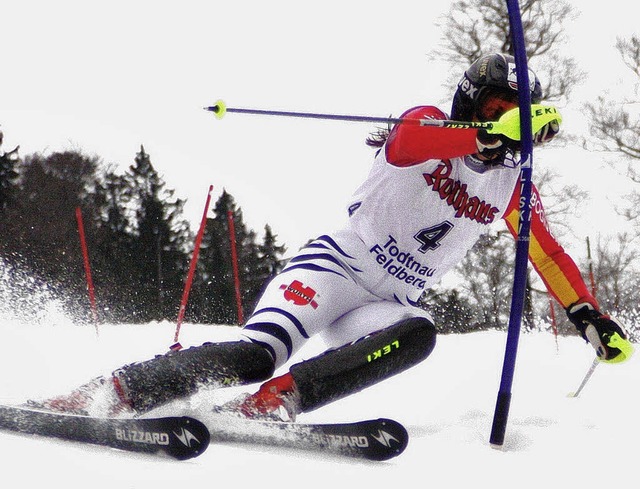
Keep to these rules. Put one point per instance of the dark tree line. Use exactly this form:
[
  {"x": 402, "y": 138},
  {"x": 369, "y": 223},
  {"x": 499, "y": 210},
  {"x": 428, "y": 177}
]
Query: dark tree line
[{"x": 139, "y": 244}]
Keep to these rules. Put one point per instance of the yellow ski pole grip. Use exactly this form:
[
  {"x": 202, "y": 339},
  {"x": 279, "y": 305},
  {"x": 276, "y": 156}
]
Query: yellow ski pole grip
[
  {"x": 541, "y": 115},
  {"x": 509, "y": 123},
  {"x": 625, "y": 347}
]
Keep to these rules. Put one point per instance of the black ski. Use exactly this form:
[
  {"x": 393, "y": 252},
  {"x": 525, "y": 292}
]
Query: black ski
[
  {"x": 178, "y": 437},
  {"x": 376, "y": 439}
]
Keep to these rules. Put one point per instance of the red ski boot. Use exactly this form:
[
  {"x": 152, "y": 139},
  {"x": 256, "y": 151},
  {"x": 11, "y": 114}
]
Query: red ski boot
[
  {"x": 276, "y": 400},
  {"x": 100, "y": 397}
]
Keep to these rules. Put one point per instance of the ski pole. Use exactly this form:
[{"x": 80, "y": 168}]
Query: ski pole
[
  {"x": 595, "y": 363},
  {"x": 596, "y": 360},
  {"x": 220, "y": 109},
  {"x": 509, "y": 123}
]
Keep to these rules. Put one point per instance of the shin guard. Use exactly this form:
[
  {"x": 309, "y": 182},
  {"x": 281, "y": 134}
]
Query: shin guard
[
  {"x": 176, "y": 374},
  {"x": 365, "y": 362}
]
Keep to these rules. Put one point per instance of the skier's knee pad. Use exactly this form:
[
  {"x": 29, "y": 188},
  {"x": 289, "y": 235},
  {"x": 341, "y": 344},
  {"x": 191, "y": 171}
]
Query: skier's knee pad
[
  {"x": 176, "y": 374},
  {"x": 343, "y": 371}
]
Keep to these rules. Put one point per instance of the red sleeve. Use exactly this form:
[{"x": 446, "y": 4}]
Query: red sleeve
[
  {"x": 410, "y": 143},
  {"x": 555, "y": 267}
]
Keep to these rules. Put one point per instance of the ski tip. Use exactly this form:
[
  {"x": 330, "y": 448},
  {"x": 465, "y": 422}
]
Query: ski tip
[
  {"x": 389, "y": 439},
  {"x": 189, "y": 438}
]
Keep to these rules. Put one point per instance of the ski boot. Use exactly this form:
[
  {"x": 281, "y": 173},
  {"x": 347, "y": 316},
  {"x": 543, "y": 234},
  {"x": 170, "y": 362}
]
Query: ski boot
[
  {"x": 100, "y": 397},
  {"x": 276, "y": 400}
]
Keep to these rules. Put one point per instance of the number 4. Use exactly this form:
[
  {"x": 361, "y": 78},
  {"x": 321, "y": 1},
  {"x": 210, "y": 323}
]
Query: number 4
[{"x": 430, "y": 237}]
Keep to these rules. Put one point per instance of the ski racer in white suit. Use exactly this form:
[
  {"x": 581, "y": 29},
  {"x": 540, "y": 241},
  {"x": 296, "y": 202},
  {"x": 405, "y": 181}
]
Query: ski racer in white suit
[
  {"x": 408, "y": 226},
  {"x": 430, "y": 194}
]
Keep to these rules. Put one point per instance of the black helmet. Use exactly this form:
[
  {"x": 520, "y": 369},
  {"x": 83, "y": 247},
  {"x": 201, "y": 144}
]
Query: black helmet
[{"x": 489, "y": 74}]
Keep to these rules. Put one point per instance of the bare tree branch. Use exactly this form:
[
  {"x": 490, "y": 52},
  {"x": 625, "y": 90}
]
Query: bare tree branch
[{"x": 476, "y": 27}]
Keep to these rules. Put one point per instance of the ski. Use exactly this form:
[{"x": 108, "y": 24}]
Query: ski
[
  {"x": 179, "y": 437},
  {"x": 375, "y": 439}
]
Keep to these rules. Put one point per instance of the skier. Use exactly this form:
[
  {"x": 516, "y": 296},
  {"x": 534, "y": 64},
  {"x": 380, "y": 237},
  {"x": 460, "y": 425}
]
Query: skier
[{"x": 430, "y": 194}]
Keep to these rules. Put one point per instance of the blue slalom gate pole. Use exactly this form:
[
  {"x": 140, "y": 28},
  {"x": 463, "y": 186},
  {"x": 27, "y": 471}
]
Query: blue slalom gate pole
[{"x": 503, "y": 402}]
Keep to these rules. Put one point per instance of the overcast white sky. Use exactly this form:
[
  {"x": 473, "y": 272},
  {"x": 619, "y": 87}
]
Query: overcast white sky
[{"x": 105, "y": 77}]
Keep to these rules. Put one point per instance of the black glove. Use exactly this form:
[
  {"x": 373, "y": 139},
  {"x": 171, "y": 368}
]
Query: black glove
[
  {"x": 495, "y": 146},
  {"x": 607, "y": 336},
  {"x": 547, "y": 132}
]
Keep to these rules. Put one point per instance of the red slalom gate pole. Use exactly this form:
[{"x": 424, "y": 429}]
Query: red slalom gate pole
[
  {"x": 87, "y": 268},
  {"x": 192, "y": 268},
  {"x": 234, "y": 260}
]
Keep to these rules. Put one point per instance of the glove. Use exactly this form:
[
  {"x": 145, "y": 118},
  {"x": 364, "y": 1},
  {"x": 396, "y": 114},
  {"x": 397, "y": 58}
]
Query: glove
[
  {"x": 607, "y": 336},
  {"x": 547, "y": 132},
  {"x": 495, "y": 146}
]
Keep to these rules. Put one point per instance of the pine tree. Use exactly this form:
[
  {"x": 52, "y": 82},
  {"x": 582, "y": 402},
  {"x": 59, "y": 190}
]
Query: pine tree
[
  {"x": 113, "y": 248},
  {"x": 8, "y": 176},
  {"x": 42, "y": 226},
  {"x": 271, "y": 253},
  {"x": 269, "y": 263},
  {"x": 214, "y": 291},
  {"x": 257, "y": 263},
  {"x": 160, "y": 244},
  {"x": 213, "y": 295}
]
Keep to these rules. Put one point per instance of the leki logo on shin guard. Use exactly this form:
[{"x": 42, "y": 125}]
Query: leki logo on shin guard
[
  {"x": 299, "y": 294},
  {"x": 385, "y": 350}
]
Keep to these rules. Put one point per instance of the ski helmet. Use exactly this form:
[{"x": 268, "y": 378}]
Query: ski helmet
[{"x": 491, "y": 74}]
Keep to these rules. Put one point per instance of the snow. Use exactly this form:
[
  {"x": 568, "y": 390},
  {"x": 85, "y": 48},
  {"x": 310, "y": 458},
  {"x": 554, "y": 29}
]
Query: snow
[{"x": 446, "y": 403}]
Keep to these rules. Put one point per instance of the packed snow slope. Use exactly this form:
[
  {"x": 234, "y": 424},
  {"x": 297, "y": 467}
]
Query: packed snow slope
[{"x": 446, "y": 403}]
